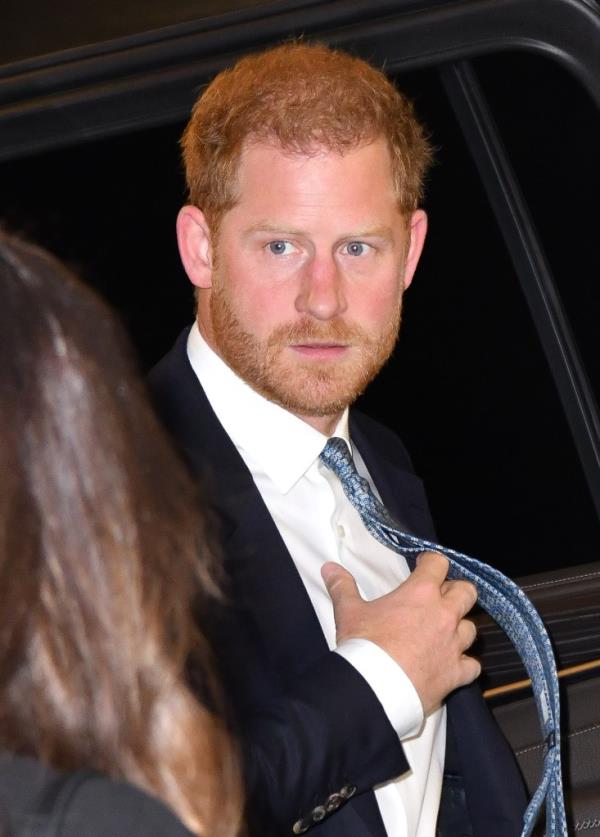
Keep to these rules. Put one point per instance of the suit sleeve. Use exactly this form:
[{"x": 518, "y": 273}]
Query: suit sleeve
[
  {"x": 388, "y": 680},
  {"x": 307, "y": 753}
]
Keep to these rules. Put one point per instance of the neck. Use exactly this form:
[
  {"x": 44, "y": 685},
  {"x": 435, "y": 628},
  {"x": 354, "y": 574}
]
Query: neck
[{"x": 324, "y": 424}]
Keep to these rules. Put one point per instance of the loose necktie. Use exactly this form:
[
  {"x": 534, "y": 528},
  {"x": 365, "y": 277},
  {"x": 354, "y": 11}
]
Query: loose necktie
[{"x": 507, "y": 605}]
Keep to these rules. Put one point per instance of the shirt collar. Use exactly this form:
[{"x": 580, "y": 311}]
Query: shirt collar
[{"x": 266, "y": 435}]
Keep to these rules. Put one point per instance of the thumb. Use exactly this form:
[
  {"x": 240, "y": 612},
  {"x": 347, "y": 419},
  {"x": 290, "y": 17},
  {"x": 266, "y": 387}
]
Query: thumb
[{"x": 340, "y": 584}]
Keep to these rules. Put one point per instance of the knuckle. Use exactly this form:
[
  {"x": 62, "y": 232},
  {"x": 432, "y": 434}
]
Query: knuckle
[{"x": 336, "y": 586}]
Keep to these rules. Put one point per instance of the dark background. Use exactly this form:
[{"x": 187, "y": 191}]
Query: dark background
[{"x": 468, "y": 389}]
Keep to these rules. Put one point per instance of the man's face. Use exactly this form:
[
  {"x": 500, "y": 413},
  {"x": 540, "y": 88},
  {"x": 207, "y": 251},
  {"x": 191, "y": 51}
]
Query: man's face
[{"x": 307, "y": 275}]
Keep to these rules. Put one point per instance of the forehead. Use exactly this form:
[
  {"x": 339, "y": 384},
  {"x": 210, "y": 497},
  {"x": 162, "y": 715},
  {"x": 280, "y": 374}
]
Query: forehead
[{"x": 352, "y": 183}]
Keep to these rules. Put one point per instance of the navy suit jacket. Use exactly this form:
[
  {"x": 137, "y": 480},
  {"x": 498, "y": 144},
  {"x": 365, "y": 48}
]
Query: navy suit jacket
[{"x": 315, "y": 738}]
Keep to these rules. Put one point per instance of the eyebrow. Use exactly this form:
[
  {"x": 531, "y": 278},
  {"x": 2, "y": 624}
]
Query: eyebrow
[
  {"x": 371, "y": 232},
  {"x": 265, "y": 227},
  {"x": 375, "y": 232}
]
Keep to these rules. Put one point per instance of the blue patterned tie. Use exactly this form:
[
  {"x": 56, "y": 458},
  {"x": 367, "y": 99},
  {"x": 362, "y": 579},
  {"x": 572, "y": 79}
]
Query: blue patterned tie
[{"x": 504, "y": 601}]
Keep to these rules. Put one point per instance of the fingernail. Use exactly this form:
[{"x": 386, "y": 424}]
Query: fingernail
[{"x": 328, "y": 571}]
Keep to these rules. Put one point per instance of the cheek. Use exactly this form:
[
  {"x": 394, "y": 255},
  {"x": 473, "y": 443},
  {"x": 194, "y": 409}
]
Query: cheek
[
  {"x": 375, "y": 304},
  {"x": 259, "y": 307}
]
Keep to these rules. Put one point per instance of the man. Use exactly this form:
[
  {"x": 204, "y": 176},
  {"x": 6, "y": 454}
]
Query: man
[{"x": 304, "y": 168}]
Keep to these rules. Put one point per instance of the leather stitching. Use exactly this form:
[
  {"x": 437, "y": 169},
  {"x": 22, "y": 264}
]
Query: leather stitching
[
  {"x": 570, "y": 735},
  {"x": 560, "y": 580}
]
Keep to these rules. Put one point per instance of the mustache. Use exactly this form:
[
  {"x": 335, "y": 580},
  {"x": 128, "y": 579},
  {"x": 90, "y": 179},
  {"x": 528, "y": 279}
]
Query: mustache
[{"x": 308, "y": 330}]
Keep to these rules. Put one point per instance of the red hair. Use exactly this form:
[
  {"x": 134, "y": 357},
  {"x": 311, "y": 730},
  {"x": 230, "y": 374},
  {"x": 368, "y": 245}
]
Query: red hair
[{"x": 303, "y": 98}]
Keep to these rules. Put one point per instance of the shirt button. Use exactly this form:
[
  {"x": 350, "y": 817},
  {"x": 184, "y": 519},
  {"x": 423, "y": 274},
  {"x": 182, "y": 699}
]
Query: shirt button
[{"x": 341, "y": 531}]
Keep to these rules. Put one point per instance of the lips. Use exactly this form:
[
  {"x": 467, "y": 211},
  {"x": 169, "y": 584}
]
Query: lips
[{"x": 320, "y": 351}]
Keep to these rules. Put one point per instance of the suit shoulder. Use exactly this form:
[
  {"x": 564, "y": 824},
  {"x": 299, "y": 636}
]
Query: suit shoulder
[
  {"x": 165, "y": 374},
  {"x": 173, "y": 386}
]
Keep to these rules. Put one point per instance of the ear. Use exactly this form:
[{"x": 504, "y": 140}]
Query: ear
[
  {"x": 195, "y": 250},
  {"x": 417, "y": 231}
]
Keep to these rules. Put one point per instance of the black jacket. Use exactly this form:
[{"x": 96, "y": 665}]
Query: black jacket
[
  {"x": 315, "y": 737},
  {"x": 36, "y": 801}
]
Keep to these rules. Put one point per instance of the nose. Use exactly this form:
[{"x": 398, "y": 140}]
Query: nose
[{"x": 321, "y": 293}]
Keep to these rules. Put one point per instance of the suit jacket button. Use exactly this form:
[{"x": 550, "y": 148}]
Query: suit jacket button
[
  {"x": 347, "y": 791},
  {"x": 319, "y": 813},
  {"x": 333, "y": 802},
  {"x": 300, "y": 826}
]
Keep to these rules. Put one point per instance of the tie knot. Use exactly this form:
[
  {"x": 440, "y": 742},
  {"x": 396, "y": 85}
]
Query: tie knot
[{"x": 337, "y": 457}]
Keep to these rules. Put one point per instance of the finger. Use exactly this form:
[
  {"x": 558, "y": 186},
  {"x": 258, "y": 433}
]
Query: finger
[
  {"x": 462, "y": 594},
  {"x": 467, "y": 633},
  {"x": 340, "y": 584},
  {"x": 432, "y": 565},
  {"x": 469, "y": 669}
]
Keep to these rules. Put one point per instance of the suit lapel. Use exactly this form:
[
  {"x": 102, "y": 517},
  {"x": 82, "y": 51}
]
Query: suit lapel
[
  {"x": 267, "y": 590},
  {"x": 267, "y": 586}
]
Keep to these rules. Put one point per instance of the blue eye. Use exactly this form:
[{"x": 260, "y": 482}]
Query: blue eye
[
  {"x": 280, "y": 248},
  {"x": 356, "y": 248}
]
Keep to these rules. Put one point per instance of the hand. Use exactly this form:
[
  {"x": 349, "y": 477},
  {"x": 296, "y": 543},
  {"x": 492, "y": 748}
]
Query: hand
[{"x": 420, "y": 624}]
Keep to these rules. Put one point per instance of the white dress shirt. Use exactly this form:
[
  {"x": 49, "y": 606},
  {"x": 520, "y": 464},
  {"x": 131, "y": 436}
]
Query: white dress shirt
[{"x": 318, "y": 524}]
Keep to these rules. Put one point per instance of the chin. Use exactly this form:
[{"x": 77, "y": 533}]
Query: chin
[{"x": 315, "y": 397}]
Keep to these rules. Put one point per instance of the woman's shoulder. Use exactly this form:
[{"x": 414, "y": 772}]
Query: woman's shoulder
[
  {"x": 37, "y": 800},
  {"x": 102, "y": 807}
]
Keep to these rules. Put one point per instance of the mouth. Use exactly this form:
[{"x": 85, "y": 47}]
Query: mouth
[{"x": 320, "y": 351}]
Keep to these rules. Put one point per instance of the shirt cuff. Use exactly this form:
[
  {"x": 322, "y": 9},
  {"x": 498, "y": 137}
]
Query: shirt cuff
[{"x": 391, "y": 685}]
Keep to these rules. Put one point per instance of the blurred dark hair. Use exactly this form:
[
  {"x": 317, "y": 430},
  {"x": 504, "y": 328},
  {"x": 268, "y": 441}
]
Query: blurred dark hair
[{"x": 103, "y": 554}]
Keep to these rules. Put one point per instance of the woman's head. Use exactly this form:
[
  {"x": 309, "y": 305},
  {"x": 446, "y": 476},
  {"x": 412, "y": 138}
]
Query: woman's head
[{"x": 103, "y": 552}]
